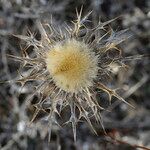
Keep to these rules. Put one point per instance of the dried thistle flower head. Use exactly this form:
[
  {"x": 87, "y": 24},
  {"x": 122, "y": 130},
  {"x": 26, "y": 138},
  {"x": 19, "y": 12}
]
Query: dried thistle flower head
[
  {"x": 73, "y": 65},
  {"x": 69, "y": 66}
]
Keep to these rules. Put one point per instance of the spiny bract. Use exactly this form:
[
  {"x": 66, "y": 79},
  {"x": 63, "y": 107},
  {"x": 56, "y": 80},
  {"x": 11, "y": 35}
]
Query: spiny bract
[{"x": 69, "y": 66}]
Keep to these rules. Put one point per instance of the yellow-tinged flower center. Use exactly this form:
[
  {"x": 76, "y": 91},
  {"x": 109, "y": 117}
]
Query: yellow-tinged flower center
[{"x": 72, "y": 65}]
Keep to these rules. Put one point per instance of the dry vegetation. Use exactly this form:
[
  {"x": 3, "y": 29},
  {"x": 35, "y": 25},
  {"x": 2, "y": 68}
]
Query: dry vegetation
[{"x": 126, "y": 128}]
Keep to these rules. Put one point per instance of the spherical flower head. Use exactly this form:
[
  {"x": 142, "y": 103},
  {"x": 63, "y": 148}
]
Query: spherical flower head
[{"x": 72, "y": 65}]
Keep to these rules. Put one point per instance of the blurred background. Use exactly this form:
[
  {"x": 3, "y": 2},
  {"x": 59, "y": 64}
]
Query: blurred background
[{"x": 131, "y": 127}]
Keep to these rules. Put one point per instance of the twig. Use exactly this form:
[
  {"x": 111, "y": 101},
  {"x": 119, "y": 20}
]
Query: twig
[{"x": 112, "y": 139}]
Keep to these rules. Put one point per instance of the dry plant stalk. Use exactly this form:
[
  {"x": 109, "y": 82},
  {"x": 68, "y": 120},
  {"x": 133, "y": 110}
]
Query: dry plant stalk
[{"x": 69, "y": 66}]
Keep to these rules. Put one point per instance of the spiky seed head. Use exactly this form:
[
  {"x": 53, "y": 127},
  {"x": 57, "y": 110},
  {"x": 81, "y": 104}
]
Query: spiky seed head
[
  {"x": 73, "y": 65},
  {"x": 70, "y": 65}
]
